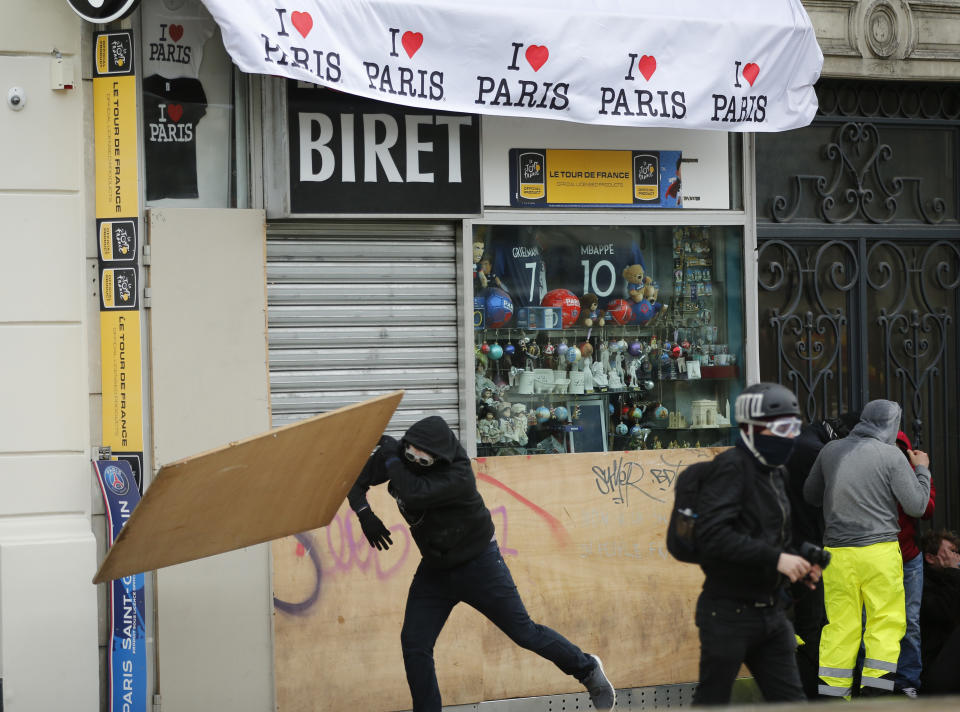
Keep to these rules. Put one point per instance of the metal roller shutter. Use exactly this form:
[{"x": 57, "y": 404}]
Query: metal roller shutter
[{"x": 356, "y": 310}]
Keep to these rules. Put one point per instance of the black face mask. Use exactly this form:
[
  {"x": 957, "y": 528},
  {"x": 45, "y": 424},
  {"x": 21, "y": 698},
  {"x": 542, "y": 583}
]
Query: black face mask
[{"x": 774, "y": 450}]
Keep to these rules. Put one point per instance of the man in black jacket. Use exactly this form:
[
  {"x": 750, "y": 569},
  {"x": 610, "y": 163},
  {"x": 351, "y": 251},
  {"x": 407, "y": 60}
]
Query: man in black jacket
[
  {"x": 743, "y": 534},
  {"x": 432, "y": 481},
  {"x": 940, "y": 613}
]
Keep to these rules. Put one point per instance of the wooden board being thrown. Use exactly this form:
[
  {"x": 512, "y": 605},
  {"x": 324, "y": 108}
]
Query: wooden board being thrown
[{"x": 272, "y": 485}]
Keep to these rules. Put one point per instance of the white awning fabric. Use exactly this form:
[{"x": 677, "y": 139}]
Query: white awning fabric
[{"x": 699, "y": 64}]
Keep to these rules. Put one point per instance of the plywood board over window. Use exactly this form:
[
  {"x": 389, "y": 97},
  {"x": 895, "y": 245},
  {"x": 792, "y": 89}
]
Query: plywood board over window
[{"x": 584, "y": 537}]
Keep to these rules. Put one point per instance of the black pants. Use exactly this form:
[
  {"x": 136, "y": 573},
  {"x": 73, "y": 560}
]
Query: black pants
[
  {"x": 486, "y": 584},
  {"x": 940, "y": 675},
  {"x": 809, "y": 617},
  {"x": 733, "y": 633}
]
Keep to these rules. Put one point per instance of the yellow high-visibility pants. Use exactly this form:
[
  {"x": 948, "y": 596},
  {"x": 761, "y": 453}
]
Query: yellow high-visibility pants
[{"x": 862, "y": 580}]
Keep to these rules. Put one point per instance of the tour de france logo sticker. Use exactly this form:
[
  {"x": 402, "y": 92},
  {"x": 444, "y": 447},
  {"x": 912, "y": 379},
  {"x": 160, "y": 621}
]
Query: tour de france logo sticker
[
  {"x": 114, "y": 54},
  {"x": 118, "y": 240},
  {"x": 646, "y": 177},
  {"x": 118, "y": 288},
  {"x": 532, "y": 172}
]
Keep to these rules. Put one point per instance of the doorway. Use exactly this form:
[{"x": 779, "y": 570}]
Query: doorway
[{"x": 859, "y": 263}]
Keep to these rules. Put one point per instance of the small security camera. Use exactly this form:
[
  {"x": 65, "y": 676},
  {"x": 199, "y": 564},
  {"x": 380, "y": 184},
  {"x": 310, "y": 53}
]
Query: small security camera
[{"x": 16, "y": 98}]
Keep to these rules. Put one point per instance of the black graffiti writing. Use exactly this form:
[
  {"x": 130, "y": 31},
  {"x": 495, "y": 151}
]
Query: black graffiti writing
[
  {"x": 619, "y": 479},
  {"x": 664, "y": 477}
]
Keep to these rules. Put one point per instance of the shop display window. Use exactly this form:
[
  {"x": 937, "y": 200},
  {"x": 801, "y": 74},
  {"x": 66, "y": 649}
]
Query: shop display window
[
  {"x": 193, "y": 139},
  {"x": 601, "y": 338}
]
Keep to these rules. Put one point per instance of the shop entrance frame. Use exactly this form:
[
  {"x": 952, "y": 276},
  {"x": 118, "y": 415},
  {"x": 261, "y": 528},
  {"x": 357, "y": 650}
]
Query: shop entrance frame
[{"x": 859, "y": 261}]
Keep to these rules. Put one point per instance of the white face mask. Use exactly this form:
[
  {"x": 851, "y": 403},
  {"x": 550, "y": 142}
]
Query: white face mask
[{"x": 418, "y": 457}]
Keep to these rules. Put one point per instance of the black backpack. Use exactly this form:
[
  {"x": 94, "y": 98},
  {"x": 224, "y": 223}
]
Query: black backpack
[{"x": 681, "y": 531}]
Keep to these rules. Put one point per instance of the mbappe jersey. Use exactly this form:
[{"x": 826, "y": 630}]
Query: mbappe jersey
[{"x": 592, "y": 260}]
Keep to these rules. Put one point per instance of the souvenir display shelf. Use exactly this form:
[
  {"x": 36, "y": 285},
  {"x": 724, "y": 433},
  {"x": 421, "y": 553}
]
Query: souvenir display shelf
[{"x": 602, "y": 385}]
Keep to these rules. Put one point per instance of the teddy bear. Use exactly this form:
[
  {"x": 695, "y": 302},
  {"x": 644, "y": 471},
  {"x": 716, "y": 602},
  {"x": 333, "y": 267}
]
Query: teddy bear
[
  {"x": 651, "y": 292},
  {"x": 590, "y": 313},
  {"x": 646, "y": 308},
  {"x": 634, "y": 276}
]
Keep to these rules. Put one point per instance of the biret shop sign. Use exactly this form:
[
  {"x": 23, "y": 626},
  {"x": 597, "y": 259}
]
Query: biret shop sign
[{"x": 351, "y": 155}]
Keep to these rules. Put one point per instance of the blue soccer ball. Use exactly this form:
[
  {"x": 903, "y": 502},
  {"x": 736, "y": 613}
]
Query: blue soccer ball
[
  {"x": 642, "y": 312},
  {"x": 498, "y": 307}
]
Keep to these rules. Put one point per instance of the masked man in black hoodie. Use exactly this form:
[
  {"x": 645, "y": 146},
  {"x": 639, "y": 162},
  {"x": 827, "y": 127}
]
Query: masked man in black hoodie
[
  {"x": 430, "y": 476},
  {"x": 745, "y": 539}
]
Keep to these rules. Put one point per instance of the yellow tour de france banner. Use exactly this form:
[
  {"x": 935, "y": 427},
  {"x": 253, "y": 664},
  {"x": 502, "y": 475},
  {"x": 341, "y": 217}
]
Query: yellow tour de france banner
[
  {"x": 117, "y": 211},
  {"x": 592, "y": 178}
]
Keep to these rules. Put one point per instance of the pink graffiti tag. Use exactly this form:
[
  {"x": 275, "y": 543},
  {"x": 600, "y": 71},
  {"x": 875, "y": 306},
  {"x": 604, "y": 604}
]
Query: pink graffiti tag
[
  {"x": 556, "y": 526},
  {"x": 357, "y": 552},
  {"x": 350, "y": 550},
  {"x": 504, "y": 549}
]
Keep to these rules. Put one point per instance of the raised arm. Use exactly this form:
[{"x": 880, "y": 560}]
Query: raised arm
[{"x": 912, "y": 489}]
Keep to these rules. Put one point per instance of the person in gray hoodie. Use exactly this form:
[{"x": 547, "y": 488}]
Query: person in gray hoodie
[{"x": 858, "y": 481}]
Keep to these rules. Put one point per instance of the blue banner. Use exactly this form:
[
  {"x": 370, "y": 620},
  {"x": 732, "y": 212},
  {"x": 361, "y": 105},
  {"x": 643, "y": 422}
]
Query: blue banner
[{"x": 127, "y": 656}]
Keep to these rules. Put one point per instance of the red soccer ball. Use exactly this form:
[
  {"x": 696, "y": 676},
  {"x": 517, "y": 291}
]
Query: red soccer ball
[
  {"x": 620, "y": 311},
  {"x": 568, "y": 303}
]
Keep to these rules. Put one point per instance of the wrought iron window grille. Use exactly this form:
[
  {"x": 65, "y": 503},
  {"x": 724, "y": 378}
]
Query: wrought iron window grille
[{"x": 858, "y": 187}]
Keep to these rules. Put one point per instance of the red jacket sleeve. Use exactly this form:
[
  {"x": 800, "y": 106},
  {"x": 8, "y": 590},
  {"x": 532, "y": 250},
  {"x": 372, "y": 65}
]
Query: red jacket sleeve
[{"x": 928, "y": 512}]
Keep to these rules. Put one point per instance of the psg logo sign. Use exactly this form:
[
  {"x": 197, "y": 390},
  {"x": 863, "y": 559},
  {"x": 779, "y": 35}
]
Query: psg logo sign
[{"x": 102, "y": 11}]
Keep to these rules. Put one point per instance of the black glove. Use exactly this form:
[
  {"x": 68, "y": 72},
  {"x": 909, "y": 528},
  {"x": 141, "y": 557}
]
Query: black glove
[
  {"x": 388, "y": 445},
  {"x": 390, "y": 453},
  {"x": 377, "y": 534}
]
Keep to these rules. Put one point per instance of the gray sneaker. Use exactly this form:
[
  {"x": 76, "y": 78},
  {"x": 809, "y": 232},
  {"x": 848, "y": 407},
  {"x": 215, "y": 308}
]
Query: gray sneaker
[{"x": 602, "y": 694}]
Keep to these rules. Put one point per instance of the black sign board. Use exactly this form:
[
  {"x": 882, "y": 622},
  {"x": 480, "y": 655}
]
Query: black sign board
[
  {"x": 103, "y": 11},
  {"x": 354, "y": 155}
]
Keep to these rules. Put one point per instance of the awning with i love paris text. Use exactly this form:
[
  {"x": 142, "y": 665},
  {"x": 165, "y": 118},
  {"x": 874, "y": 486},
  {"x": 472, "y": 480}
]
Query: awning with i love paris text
[{"x": 748, "y": 65}]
